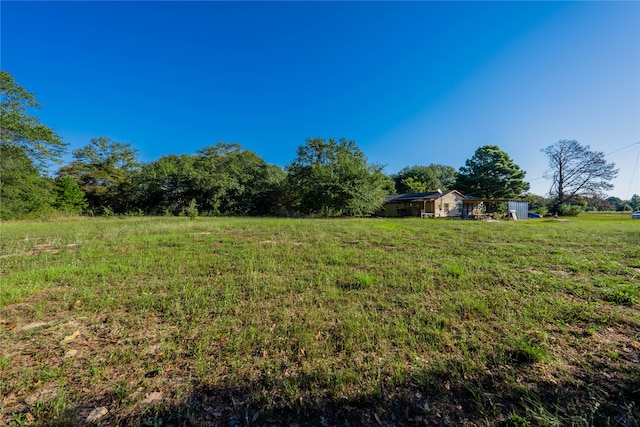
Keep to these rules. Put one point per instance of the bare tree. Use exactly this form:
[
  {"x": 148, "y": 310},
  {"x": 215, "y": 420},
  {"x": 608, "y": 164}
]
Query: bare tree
[{"x": 576, "y": 170}]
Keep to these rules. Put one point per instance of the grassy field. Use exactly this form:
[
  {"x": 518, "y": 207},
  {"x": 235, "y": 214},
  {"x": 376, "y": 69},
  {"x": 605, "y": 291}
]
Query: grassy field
[{"x": 293, "y": 322}]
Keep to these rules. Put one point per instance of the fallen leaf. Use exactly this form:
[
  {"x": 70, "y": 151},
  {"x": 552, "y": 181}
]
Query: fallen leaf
[
  {"x": 11, "y": 326},
  {"x": 96, "y": 414},
  {"x": 71, "y": 337}
]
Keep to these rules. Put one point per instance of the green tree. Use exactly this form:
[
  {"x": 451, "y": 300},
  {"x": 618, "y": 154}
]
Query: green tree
[
  {"x": 418, "y": 179},
  {"x": 167, "y": 185},
  {"x": 232, "y": 180},
  {"x": 634, "y": 202},
  {"x": 69, "y": 197},
  {"x": 27, "y": 147},
  {"x": 23, "y": 191},
  {"x": 616, "y": 203},
  {"x": 334, "y": 178},
  {"x": 412, "y": 185},
  {"x": 491, "y": 174},
  {"x": 537, "y": 203},
  {"x": 21, "y": 130},
  {"x": 446, "y": 175},
  {"x": 272, "y": 195},
  {"x": 575, "y": 170},
  {"x": 222, "y": 179},
  {"x": 594, "y": 204},
  {"x": 105, "y": 169}
]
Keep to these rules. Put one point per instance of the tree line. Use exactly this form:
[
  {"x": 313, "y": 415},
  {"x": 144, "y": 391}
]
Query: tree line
[{"x": 328, "y": 177}]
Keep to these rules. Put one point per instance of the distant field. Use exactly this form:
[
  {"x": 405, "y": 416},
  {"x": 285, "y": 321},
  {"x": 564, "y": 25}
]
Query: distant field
[{"x": 292, "y": 322}]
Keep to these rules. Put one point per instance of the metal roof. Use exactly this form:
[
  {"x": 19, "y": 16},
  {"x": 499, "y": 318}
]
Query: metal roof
[
  {"x": 434, "y": 195},
  {"x": 418, "y": 197}
]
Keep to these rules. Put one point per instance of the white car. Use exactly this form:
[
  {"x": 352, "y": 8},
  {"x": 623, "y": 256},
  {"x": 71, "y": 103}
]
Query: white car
[{"x": 635, "y": 215}]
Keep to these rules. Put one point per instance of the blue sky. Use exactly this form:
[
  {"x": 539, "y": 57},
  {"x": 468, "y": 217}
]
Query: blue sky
[{"x": 411, "y": 82}]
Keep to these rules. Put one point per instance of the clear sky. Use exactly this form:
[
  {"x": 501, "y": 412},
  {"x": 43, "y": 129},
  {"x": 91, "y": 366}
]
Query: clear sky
[{"x": 410, "y": 82}]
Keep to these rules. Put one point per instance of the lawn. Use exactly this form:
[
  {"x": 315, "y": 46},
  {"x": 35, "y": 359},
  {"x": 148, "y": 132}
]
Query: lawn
[{"x": 293, "y": 322}]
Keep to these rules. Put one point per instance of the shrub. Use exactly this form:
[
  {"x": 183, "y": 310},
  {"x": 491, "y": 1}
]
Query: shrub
[
  {"x": 565, "y": 209},
  {"x": 192, "y": 209}
]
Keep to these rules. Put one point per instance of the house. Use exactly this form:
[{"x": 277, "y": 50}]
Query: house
[
  {"x": 448, "y": 204},
  {"x": 434, "y": 204}
]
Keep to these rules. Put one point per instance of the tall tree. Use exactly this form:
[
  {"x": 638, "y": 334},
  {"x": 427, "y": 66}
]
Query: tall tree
[
  {"x": 417, "y": 179},
  {"x": 23, "y": 191},
  {"x": 69, "y": 197},
  {"x": 232, "y": 179},
  {"x": 491, "y": 174},
  {"x": 18, "y": 128},
  {"x": 27, "y": 147},
  {"x": 271, "y": 194},
  {"x": 334, "y": 178},
  {"x": 167, "y": 185},
  {"x": 616, "y": 203},
  {"x": 104, "y": 169},
  {"x": 223, "y": 179},
  {"x": 575, "y": 170}
]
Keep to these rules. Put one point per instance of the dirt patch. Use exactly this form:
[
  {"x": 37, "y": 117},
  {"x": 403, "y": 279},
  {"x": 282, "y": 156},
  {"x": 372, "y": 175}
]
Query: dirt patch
[
  {"x": 30, "y": 326},
  {"x": 42, "y": 248}
]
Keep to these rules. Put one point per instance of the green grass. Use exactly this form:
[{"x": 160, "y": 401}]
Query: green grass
[{"x": 368, "y": 321}]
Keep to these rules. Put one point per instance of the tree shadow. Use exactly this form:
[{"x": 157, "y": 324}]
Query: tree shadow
[{"x": 595, "y": 396}]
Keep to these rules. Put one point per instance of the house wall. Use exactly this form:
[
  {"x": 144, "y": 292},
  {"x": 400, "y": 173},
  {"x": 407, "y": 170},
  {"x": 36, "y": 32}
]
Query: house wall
[
  {"x": 402, "y": 209},
  {"x": 449, "y": 205},
  {"x": 389, "y": 209}
]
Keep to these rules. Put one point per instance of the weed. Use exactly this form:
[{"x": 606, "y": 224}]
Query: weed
[
  {"x": 516, "y": 420},
  {"x": 4, "y": 362},
  {"x": 364, "y": 280},
  {"x": 527, "y": 351},
  {"x": 624, "y": 295}
]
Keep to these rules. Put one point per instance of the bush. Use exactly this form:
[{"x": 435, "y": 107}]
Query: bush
[
  {"x": 192, "y": 209},
  {"x": 566, "y": 209}
]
